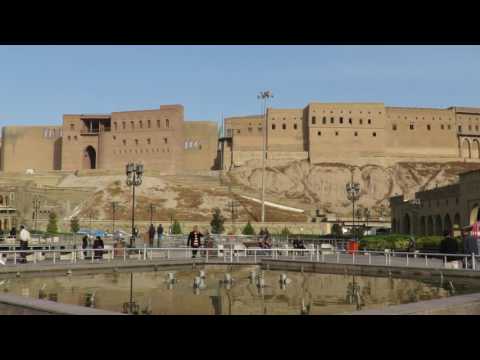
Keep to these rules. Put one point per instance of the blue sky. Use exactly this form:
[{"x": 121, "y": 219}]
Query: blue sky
[{"x": 38, "y": 84}]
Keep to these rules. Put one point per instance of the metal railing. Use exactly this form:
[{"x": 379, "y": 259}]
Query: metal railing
[{"x": 240, "y": 255}]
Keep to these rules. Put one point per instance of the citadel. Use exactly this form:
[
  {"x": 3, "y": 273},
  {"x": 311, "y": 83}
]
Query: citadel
[
  {"x": 321, "y": 132},
  {"x": 328, "y": 137}
]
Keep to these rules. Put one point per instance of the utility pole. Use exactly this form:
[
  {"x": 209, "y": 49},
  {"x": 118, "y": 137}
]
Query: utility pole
[
  {"x": 114, "y": 206},
  {"x": 36, "y": 207},
  {"x": 151, "y": 213},
  {"x": 265, "y": 96},
  {"x": 353, "y": 193}
]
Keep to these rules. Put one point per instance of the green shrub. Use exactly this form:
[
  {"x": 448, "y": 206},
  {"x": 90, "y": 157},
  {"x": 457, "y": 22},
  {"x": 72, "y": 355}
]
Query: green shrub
[
  {"x": 52, "y": 227},
  {"x": 176, "y": 228},
  {"x": 285, "y": 232},
  {"x": 399, "y": 242},
  {"x": 217, "y": 222},
  {"x": 74, "y": 225},
  {"x": 248, "y": 229}
]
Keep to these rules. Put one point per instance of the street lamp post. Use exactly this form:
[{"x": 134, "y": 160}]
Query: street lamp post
[
  {"x": 36, "y": 207},
  {"x": 152, "y": 207},
  {"x": 134, "y": 174},
  {"x": 416, "y": 204},
  {"x": 114, "y": 207},
  {"x": 353, "y": 194},
  {"x": 265, "y": 96}
]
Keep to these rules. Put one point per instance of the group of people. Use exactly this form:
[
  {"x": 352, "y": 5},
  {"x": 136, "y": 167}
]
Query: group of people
[
  {"x": 264, "y": 239},
  {"x": 97, "y": 245},
  {"x": 152, "y": 233}
]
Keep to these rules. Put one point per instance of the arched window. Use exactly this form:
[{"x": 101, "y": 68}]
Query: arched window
[
  {"x": 132, "y": 124},
  {"x": 167, "y": 123},
  {"x": 149, "y": 124},
  {"x": 141, "y": 124}
]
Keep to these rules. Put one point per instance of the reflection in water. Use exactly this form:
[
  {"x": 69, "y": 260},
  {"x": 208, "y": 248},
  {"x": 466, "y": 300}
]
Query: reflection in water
[{"x": 220, "y": 290}]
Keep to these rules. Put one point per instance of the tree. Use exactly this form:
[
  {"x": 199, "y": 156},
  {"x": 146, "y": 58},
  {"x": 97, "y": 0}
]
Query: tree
[
  {"x": 74, "y": 225},
  {"x": 52, "y": 227},
  {"x": 248, "y": 229},
  {"x": 217, "y": 222},
  {"x": 285, "y": 232},
  {"x": 176, "y": 228},
  {"x": 337, "y": 230}
]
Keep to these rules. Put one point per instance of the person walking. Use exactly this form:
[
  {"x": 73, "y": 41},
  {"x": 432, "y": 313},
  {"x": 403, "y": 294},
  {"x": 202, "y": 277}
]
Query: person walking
[
  {"x": 24, "y": 237},
  {"x": 159, "y": 234},
  {"x": 85, "y": 246},
  {"x": 194, "y": 240},
  {"x": 151, "y": 235},
  {"x": 98, "y": 244},
  {"x": 448, "y": 245},
  {"x": 135, "y": 235}
]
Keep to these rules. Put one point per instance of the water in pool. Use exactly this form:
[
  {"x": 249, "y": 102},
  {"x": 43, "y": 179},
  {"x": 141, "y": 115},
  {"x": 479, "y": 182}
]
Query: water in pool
[{"x": 223, "y": 290}]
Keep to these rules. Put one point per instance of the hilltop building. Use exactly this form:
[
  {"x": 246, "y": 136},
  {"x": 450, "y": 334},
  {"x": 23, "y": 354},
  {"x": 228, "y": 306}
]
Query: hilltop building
[
  {"x": 352, "y": 133},
  {"x": 161, "y": 139},
  {"x": 355, "y": 132}
]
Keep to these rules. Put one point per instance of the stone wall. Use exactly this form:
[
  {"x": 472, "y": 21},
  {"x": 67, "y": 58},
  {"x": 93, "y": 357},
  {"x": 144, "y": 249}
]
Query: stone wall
[{"x": 31, "y": 147}]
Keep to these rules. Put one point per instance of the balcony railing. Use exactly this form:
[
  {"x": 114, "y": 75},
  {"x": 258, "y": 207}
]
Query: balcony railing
[{"x": 95, "y": 131}]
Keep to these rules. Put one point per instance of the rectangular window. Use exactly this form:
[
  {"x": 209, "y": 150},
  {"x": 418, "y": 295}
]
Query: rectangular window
[
  {"x": 284, "y": 126},
  {"x": 149, "y": 124},
  {"x": 324, "y": 120},
  {"x": 165, "y": 140},
  {"x": 332, "y": 120},
  {"x": 350, "y": 120},
  {"x": 360, "y": 121},
  {"x": 158, "y": 123},
  {"x": 394, "y": 127},
  {"x": 428, "y": 127},
  {"x": 319, "y": 133},
  {"x": 412, "y": 126},
  {"x": 295, "y": 126},
  {"x": 356, "y": 133},
  {"x": 132, "y": 124},
  {"x": 273, "y": 126},
  {"x": 374, "y": 134},
  {"x": 336, "y": 133},
  {"x": 460, "y": 128},
  {"x": 341, "y": 120},
  {"x": 250, "y": 129},
  {"x": 72, "y": 127},
  {"x": 314, "y": 120},
  {"x": 369, "y": 121},
  {"x": 149, "y": 141}
]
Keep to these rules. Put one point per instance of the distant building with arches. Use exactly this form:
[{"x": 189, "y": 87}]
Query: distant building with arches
[{"x": 432, "y": 212}]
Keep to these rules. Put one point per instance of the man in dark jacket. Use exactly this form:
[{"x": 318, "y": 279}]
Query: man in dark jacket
[
  {"x": 448, "y": 245},
  {"x": 151, "y": 235},
  {"x": 159, "y": 234},
  {"x": 98, "y": 244},
  {"x": 194, "y": 240}
]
